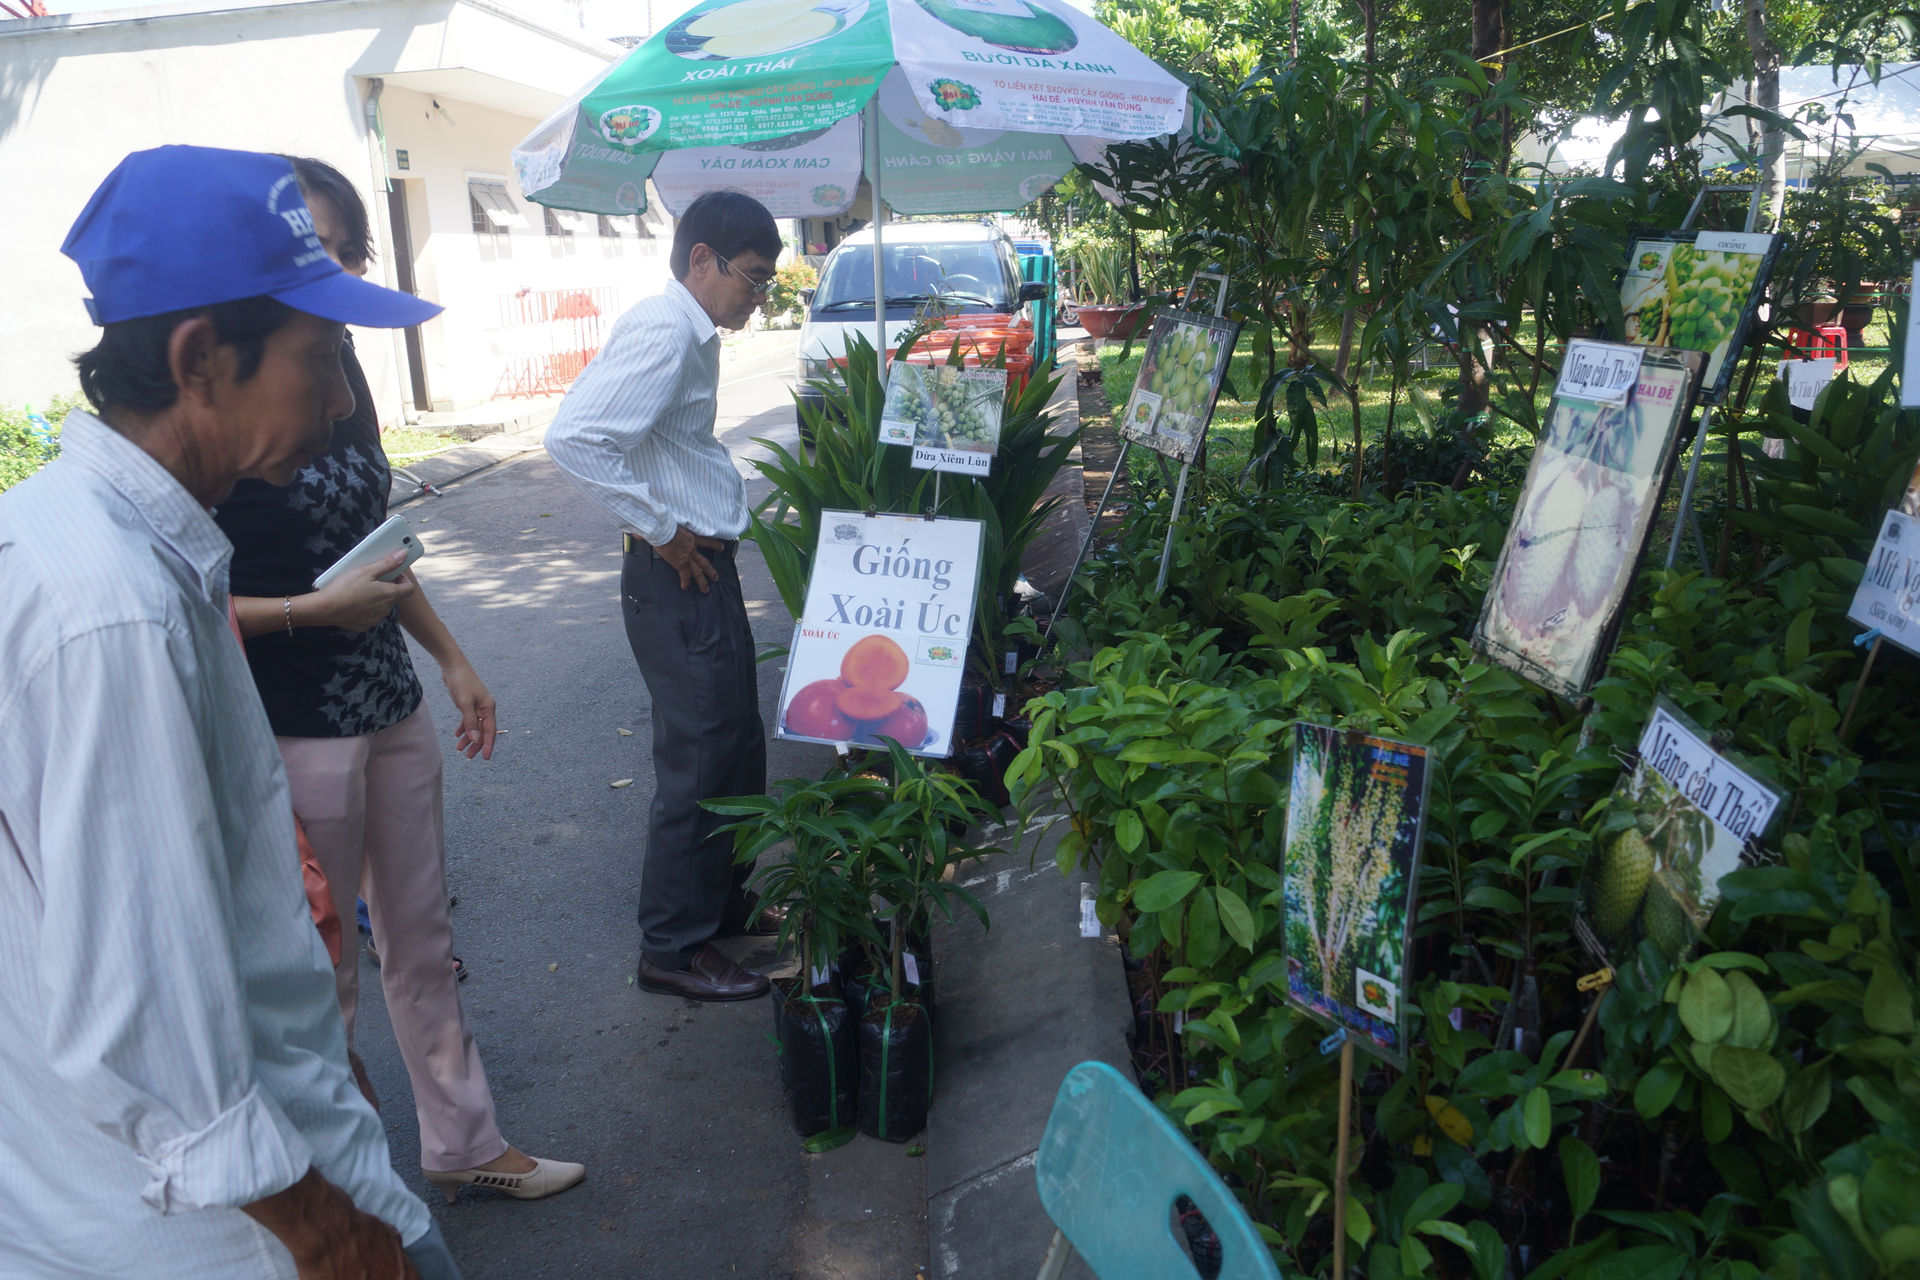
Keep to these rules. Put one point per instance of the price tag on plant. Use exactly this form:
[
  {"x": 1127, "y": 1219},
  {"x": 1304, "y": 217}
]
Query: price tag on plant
[
  {"x": 1600, "y": 372},
  {"x": 1674, "y": 828},
  {"x": 1089, "y": 919},
  {"x": 1888, "y": 597},
  {"x": 881, "y": 642},
  {"x": 1806, "y": 379},
  {"x": 1355, "y": 818},
  {"x": 956, "y": 417},
  {"x": 911, "y": 967}
]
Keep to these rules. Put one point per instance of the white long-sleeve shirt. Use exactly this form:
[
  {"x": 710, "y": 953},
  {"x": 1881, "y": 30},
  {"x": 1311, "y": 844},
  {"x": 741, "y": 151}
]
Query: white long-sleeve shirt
[
  {"x": 170, "y": 1043},
  {"x": 636, "y": 429}
]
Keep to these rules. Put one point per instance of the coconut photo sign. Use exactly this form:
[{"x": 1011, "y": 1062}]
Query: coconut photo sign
[
  {"x": 881, "y": 642},
  {"x": 1355, "y": 817},
  {"x": 949, "y": 415},
  {"x": 1673, "y": 829},
  {"x": 1581, "y": 523},
  {"x": 1697, "y": 290}
]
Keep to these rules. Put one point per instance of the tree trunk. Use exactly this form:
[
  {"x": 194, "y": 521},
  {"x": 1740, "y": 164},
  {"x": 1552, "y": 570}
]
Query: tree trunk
[
  {"x": 1489, "y": 40},
  {"x": 1370, "y": 10},
  {"x": 1766, "y": 95}
]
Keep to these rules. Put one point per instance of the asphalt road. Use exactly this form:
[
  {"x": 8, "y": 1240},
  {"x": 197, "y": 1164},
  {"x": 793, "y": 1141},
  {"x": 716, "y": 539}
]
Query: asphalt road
[{"x": 676, "y": 1108}]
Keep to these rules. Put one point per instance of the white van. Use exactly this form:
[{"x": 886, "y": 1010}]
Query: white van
[{"x": 964, "y": 266}]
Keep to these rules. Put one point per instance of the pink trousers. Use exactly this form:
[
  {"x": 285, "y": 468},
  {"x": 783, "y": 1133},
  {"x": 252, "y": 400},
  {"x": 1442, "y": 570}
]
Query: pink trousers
[{"x": 372, "y": 810}]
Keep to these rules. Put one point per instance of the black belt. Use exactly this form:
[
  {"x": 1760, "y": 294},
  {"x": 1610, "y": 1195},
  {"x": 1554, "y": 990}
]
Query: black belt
[{"x": 636, "y": 546}]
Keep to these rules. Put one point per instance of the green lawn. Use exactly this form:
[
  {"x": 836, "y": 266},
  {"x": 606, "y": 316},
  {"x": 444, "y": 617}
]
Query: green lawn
[
  {"x": 410, "y": 444},
  {"x": 1231, "y": 431}
]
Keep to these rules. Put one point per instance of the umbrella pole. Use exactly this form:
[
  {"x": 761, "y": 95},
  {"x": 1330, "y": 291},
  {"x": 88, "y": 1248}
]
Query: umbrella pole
[{"x": 879, "y": 215}]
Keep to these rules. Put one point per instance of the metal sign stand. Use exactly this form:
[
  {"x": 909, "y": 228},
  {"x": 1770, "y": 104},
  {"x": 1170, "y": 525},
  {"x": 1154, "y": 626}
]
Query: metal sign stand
[
  {"x": 1684, "y": 519},
  {"x": 1119, "y": 464}
]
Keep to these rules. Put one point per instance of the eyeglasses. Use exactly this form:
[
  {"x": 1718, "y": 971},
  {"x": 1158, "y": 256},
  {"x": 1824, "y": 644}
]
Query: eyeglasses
[{"x": 761, "y": 288}]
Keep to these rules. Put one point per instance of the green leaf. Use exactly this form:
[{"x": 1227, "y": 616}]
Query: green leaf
[
  {"x": 1359, "y": 1224},
  {"x": 1581, "y": 1083},
  {"x": 1489, "y": 1250},
  {"x": 1807, "y": 1097},
  {"x": 1752, "y": 1018},
  {"x": 1128, "y": 830},
  {"x": 1164, "y": 889},
  {"x": 831, "y": 1138},
  {"x": 1655, "y": 1091},
  {"x": 1889, "y": 1005},
  {"x": 1235, "y": 918},
  {"x": 1538, "y": 1117},
  {"x": 1706, "y": 1006},
  {"x": 1581, "y": 1168},
  {"x": 1435, "y": 1202},
  {"x": 1751, "y": 1078}
]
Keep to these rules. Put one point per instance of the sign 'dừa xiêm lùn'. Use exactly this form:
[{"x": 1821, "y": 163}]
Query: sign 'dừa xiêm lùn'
[{"x": 881, "y": 643}]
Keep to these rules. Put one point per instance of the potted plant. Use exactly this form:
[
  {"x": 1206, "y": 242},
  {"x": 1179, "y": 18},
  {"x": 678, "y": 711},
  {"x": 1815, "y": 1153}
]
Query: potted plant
[
  {"x": 907, "y": 869},
  {"x": 790, "y": 284},
  {"x": 1104, "y": 309},
  {"x": 1816, "y": 305},
  {"x": 826, "y": 825}
]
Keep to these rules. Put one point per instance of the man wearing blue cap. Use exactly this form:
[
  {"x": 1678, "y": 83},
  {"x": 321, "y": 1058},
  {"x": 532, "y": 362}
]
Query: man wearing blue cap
[{"x": 175, "y": 1099}]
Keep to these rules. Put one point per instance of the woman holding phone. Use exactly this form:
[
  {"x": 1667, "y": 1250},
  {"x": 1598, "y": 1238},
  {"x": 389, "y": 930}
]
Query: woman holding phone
[{"x": 362, "y": 756}]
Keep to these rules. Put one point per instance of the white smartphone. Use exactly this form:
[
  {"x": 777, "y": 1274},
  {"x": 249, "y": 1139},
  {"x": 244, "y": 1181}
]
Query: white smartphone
[{"x": 394, "y": 535}]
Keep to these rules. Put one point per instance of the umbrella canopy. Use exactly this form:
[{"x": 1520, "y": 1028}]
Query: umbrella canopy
[{"x": 970, "y": 106}]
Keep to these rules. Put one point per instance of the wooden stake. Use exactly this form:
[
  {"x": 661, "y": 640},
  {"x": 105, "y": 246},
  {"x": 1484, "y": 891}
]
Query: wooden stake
[
  {"x": 1340, "y": 1162},
  {"x": 1858, "y": 688}
]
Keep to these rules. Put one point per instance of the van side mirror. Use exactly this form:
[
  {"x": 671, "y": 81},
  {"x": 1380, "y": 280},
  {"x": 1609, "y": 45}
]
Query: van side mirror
[
  {"x": 1033, "y": 291},
  {"x": 806, "y": 297}
]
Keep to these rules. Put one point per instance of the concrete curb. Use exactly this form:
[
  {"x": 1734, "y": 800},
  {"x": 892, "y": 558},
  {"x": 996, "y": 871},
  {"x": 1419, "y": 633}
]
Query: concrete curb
[{"x": 1021, "y": 1003}]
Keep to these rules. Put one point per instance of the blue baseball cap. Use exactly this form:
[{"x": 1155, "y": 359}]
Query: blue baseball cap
[{"x": 181, "y": 227}]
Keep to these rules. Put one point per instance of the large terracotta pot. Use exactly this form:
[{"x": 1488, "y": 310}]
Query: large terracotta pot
[
  {"x": 1114, "y": 322},
  {"x": 1815, "y": 314}
]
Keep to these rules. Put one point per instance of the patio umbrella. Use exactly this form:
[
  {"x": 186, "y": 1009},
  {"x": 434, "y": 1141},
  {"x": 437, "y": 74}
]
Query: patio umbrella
[{"x": 946, "y": 106}]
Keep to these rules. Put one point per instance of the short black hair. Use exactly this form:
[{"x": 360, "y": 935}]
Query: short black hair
[
  {"x": 128, "y": 370},
  {"x": 727, "y": 222},
  {"x": 318, "y": 178}
]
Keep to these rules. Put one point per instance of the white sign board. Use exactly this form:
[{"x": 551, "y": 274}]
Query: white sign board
[
  {"x": 1602, "y": 372},
  {"x": 881, "y": 642},
  {"x": 1806, "y": 379},
  {"x": 1888, "y": 598},
  {"x": 1910, "y": 370},
  {"x": 1738, "y": 804}
]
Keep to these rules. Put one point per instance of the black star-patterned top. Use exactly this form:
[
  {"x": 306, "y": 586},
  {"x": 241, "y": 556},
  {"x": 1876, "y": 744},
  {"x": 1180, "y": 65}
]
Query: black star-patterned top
[{"x": 321, "y": 682}]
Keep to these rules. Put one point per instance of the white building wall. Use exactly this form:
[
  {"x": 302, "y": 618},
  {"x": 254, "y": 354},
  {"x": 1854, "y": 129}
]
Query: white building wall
[{"x": 77, "y": 93}]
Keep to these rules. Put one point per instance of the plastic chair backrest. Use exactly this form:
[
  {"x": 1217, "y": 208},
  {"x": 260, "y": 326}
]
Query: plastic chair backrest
[{"x": 1110, "y": 1167}]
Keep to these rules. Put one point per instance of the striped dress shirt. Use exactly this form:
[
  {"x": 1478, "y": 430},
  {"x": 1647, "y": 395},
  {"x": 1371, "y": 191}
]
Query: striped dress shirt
[
  {"x": 170, "y": 1042},
  {"x": 636, "y": 429}
]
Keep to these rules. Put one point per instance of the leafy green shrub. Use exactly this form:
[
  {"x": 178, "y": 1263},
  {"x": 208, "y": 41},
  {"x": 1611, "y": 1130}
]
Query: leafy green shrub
[
  {"x": 22, "y": 451},
  {"x": 1756, "y": 1110}
]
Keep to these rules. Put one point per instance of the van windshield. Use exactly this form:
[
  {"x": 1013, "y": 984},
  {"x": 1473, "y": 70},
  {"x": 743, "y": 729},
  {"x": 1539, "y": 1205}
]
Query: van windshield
[{"x": 970, "y": 272}]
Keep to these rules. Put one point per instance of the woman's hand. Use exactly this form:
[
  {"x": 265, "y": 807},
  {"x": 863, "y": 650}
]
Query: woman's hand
[
  {"x": 475, "y": 705},
  {"x": 356, "y": 601}
]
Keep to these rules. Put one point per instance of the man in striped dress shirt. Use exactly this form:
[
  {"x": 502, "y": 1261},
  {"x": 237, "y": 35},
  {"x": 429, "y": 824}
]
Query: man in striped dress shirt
[
  {"x": 636, "y": 434},
  {"x": 175, "y": 1101}
]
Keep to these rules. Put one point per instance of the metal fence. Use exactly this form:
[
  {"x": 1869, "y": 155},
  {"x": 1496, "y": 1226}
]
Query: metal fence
[{"x": 546, "y": 337}]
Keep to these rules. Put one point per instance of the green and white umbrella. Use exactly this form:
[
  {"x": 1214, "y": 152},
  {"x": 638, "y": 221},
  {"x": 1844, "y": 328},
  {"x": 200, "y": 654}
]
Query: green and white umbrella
[
  {"x": 971, "y": 105},
  {"x": 947, "y": 106}
]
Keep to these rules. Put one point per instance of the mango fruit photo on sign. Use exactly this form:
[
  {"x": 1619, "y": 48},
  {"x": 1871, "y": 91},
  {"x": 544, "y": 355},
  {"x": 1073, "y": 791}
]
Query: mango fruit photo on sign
[
  {"x": 1355, "y": 818},
  {"x": 1583, "y": 518},
  {"x": 1697, "y": 290},
  {"x": 881, "y": 642},
  {"x": 1672, "y": 830},
  {"x": 1173, "y": 394}
]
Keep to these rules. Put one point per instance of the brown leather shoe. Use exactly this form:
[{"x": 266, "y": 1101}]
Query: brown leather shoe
[
  {"x": 758, "y": 922},
  {"x": 710, "y": 976}
]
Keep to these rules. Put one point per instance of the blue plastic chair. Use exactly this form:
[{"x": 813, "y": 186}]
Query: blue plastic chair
[{"x": 1110, "y": 1167}]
